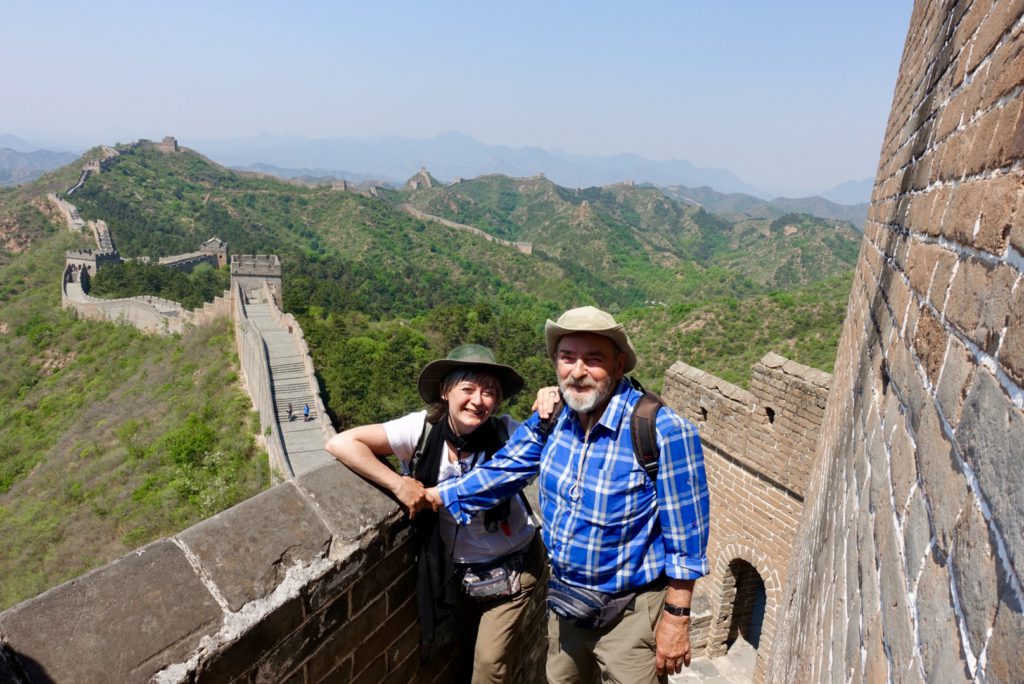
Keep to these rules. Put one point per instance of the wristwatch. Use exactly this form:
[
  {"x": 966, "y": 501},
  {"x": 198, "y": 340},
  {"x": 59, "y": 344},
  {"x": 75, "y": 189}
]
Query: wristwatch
[{"x": 678, "y": 611}]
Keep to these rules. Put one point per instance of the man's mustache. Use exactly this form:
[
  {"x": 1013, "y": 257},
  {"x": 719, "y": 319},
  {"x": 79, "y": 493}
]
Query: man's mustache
[{"x": 586, "y": 383}]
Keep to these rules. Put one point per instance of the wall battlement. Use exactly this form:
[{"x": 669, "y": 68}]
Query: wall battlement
[
  {"x": 758, "y": 446},
  {"x": 255, "y": 273},
  {"x": 255, "y": 264}
]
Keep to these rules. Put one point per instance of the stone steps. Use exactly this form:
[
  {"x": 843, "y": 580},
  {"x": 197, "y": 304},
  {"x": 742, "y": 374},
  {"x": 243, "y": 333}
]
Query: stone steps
[{"x": 303, "y": 439}]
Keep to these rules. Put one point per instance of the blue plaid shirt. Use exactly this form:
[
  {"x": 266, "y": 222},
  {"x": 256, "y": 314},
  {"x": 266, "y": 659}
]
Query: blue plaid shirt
[{"x": 606, "y": 525}]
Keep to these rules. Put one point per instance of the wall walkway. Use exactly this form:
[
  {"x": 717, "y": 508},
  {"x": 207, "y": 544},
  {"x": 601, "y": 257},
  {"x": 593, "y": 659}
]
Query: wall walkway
[{"x": 278, "y": 371}]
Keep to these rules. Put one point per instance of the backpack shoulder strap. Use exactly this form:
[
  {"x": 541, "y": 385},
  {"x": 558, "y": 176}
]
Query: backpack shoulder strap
[
  {"x": 545, "y": 425},
  {"x": 643, "y": 427},
  {"x": 501, "y": 428},
  {"x": 421, "y": 444}
]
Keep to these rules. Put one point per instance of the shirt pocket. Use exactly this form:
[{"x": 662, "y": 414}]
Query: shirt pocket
[{"x": 620, "y": 494}]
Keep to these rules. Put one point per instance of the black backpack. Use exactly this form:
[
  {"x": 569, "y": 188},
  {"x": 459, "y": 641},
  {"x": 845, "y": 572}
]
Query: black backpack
[{"x": 642, "y": 423}]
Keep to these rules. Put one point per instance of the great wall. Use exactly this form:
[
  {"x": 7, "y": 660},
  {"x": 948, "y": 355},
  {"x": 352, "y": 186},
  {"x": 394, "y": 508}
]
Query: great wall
[
  {"x": 873, "y": 520},
  {"x": 276, "y": 366}
]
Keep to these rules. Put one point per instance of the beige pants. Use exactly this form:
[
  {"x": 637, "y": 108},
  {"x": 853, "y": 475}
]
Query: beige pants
[
  {"x": 499, "y": 623},
  {"x": 623, "y": 652}
]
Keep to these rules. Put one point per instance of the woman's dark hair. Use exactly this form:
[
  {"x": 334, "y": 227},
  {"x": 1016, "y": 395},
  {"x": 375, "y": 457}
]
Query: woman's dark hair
[{"x": 437, "y": 410}]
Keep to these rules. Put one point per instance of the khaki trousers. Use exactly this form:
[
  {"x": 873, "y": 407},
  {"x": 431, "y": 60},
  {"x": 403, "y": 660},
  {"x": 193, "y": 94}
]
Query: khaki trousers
[
  {"x": 498, "y": 632},
  {"x": 623, "y": 652}
]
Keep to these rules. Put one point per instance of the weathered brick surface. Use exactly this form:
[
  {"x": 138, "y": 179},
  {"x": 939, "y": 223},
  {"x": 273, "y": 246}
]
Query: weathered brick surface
[{"x": 924, "y": 422}]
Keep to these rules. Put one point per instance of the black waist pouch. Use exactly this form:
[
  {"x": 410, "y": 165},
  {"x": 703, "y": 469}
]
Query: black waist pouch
[{"x": 586, "y": 608}]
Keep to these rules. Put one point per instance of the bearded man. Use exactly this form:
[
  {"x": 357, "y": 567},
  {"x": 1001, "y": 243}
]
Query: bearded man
[{"x": 625, "y": 549}]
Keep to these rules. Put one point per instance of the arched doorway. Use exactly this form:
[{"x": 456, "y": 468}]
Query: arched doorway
[{"x": 748, "y": 604}]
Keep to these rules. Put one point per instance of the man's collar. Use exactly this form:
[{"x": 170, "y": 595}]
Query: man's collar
[{"x": 616, "y": 408}]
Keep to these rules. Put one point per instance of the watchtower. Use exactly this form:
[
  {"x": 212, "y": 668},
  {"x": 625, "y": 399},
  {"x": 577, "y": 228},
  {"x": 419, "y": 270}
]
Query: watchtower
[
  {"x": 91, "y": 260},
  {"x": 251, "y": 271},
  {"x": 216, "y": 247},
  {"x": 169, "y": 144}
]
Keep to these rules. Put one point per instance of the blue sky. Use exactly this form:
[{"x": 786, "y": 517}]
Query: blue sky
[{"x": 784, "y": 94}]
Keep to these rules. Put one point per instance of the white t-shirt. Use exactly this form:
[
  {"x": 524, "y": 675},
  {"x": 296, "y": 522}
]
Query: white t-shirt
[{"x": 473, "y": 544}]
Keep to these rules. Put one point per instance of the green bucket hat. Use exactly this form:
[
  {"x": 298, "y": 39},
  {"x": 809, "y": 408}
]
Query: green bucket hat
[{"x": 475, "y": 355}]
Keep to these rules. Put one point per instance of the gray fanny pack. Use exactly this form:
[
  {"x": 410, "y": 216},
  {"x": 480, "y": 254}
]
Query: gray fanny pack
[
  {"x": 586, "y": 608},
  {"x": 497, "y": 579}
]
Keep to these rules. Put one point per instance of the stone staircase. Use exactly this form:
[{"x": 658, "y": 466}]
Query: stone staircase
[{"x": 290, "y": 384}]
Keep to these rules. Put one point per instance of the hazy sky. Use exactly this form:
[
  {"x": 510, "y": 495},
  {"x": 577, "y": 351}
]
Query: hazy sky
[{"x": 784, "y": 94}]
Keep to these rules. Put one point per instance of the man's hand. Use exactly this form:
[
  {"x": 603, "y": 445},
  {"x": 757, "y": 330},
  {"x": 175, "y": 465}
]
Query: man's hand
[
  {"x": 673, "y": 640},
  {"x": 412, "y": 495},
  {"x": 547, "y": 398}
]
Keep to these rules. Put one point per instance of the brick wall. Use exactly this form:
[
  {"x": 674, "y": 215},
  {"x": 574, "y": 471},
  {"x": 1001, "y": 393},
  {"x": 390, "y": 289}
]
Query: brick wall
[
  {"x": 758, "y": 449},
  {"x": 310, "y": 581},
  {"x": 913, "y": 540}
]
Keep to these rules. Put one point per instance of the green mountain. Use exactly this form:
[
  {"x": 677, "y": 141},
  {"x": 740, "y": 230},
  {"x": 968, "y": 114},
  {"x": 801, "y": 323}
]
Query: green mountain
[
  {"x": 109, "y": 438},
  {"x": 666, "y": 250}
]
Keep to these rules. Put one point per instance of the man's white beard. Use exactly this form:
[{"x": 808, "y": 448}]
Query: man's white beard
[{"x": 594, "y": 393}]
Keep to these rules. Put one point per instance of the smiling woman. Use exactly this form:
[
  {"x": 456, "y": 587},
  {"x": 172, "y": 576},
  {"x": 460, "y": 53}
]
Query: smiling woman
[{"x": 486, "y": 572}]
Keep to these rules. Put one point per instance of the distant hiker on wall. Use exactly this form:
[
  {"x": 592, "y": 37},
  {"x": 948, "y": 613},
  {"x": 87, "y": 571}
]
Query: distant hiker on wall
[
  {"x": 487, "y": 573},
  {"x": 290, "y": 416},
  {"x": 305, "y": 413},
  {"x": 626, "y": 542}
]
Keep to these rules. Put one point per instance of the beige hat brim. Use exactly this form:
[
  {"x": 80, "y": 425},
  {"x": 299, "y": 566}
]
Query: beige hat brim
[{"x": 617, "y": 334}]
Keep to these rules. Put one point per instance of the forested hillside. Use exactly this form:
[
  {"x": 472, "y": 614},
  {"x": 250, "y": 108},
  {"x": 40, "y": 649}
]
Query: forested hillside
[
  {"x": 129, "y": 435},
  {"x": 109, "y": 438},
  {"x": 671, "y": 251}
]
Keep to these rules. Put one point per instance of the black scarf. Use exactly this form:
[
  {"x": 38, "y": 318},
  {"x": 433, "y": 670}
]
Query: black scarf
[{"x": 435, "y": 598}]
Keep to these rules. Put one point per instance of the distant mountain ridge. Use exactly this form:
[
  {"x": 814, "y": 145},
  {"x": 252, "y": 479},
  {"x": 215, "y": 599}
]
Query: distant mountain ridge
[
  {"x": 454, "y": 155},
  {"x": 20, "y": 167},
  {"x": 739, "y": 205},
  {"x": 311, "y": 175}
]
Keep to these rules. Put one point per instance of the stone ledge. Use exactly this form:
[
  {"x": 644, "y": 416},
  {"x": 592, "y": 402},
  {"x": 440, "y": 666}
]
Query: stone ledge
[
  {"x": 122, "y": 622},
  {"x": 246, "y": 549},
  {"x": 153, "y": 609}
]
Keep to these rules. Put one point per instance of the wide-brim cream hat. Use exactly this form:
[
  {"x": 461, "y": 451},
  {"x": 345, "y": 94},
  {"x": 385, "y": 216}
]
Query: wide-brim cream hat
[
  {"x": 475, "y": 355},
  {"x": 590, "y": 320}
]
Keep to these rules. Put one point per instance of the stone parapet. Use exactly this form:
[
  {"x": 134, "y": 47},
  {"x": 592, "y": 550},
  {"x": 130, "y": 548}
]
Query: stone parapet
[
  {"x": 771, "y": 429},
  {"x": 287, "y": 584}
]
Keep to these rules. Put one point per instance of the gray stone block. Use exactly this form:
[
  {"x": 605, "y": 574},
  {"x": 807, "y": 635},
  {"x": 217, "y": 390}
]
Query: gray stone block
[
  {"x": 941, "y": 653},
  {"x": 1004, "y": 657},
  {"x": 121, "y": 623},
  {"x": 347, "y": 504},
  {"x": 944, "y": 484},
  {"x": 916, "y": 535},
  {"x": 247, "y": 549},
  {"x": 896, "y": 620},
  {"x": 990, "y": 436},
  {"x": 974, "y": 572}
]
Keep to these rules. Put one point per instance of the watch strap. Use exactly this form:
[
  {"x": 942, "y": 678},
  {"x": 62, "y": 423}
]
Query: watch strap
[{"x": 678, "y": 611}]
